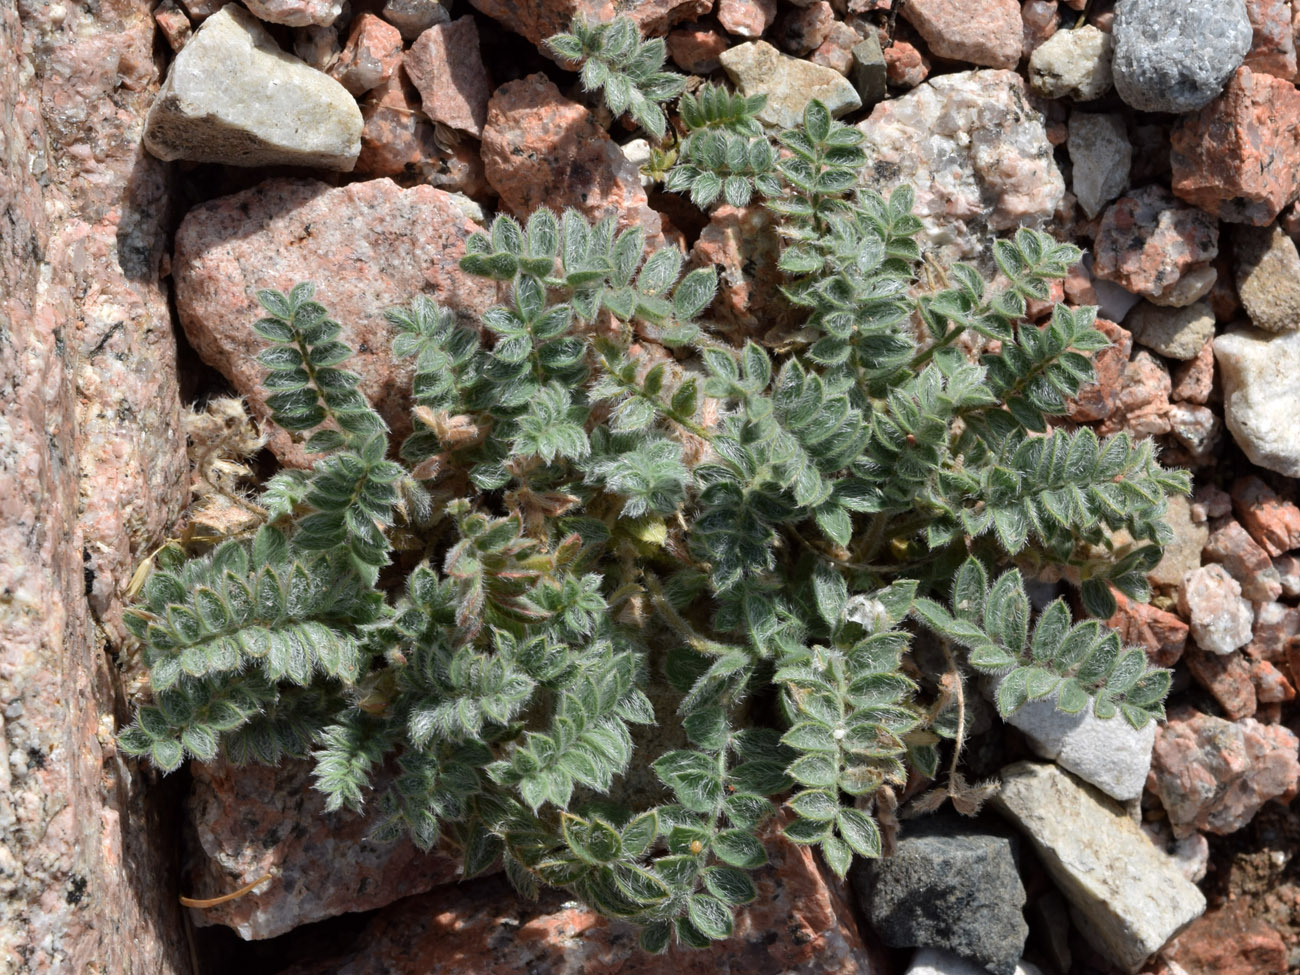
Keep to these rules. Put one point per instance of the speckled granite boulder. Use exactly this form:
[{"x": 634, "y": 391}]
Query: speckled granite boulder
[
  {"x": 256, "y": 820},
  {"x": 1175, "y": 55},
  {"x": 975, "y": 148},
  {"x": 368, "y": 247},
  {"x": 92, "y": 473}
]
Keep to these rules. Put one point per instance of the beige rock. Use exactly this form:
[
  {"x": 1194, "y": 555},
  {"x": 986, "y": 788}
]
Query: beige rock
[
  {"x": 1261, "y": 395},
  {"x": 232, "y": 96},
  {"x": 1179, "y": 333},
  {"x": 789, "y": 83},
  {"x": 1128, "y": 897},
  {"x": 1073, "y": 64},
  {"x": 1211, "y": 602},
  {"x": 1183, "y": 554},
  {"x": 1268, "y": 277}
]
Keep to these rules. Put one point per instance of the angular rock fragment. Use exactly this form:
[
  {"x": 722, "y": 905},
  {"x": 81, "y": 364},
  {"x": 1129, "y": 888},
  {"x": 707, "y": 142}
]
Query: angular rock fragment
[
  {"x": 296, "y": 13},
  {"x": 1271, "y": 520},
  {"x": 256, "y": 820},
  {"x": 1179, "y": 333},
  {"x": 983, "y": 32},
  {"x": 1213, "y": 775},
  {"x": 1128, "y": 897},
  {"x": 373, "y": 52},
  {"x": 232, "y": 96},
  {"x": 1210, "y": 600},
  {"x": 977, "y": 154},
  {"x": 1073, "y": 64},
  {"x": 789, "y": 83},
  {"x": 1268, "y": 277},
  {"x": 1239, "y": 157},
  {"x": 1100, "y": 153},
  {"x": 1148, "y": 241},
  {"x": 445, "y": 65},
  {"x": 368, "y": 246},
  {"x": 1261, "y": 395},
  {"x": 949, "y": 884}
]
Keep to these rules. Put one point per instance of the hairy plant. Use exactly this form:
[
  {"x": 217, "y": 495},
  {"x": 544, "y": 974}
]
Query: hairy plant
[{"x": 601, "y": 498}]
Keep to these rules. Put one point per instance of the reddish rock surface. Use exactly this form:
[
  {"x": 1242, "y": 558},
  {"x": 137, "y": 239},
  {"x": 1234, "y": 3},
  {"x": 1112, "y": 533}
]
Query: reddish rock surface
[
  {"x": 984, "y": 32},
  {"x": 257, "y": 820},
  {"x": 173, "y": 23},
  {"x": 1272, "y": 50},
  {"x": 296, "y": 13},
  {"x": 746, "y": 18},
  {"x": 540, "y": 149},
  {"x": 800, "y": 925},
  {"x": 1239, "y": 157},
  {"x": 1228, "y": 941},
  {"x": 1040, "y": 19},
  {"x": 371, "y": 55},
  {"x": 836, "y": 52},
  {"x": 92, "y": 473},
  {"x": 905, "y": 65},
  {"x": 445, "y": 65},
  {"x": 1193, "y": 380},
  {"x": 1245, "y": 560},
  {"x": 1097, "y": 399},
  {"x": 1272, "y": 521},
  {"x": 802, "y": 29},
  {"x": 742, "y": 245},
  {"x": 1162, "y": 634},
  {"x": 695, "y": 47},
  {"x": 537, "y": 21},
  {"x": 1213, "y": 775},
  {"x": 368, "y": 246},
  {"x": 1147, "y": 241},
  {"x": 1227, "y": 677},
  {"x": 1142, "y": 406}
]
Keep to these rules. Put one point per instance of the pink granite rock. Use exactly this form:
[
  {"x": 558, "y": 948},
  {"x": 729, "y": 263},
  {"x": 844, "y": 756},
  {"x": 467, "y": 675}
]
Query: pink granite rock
[
  {"x": 746, "y": 18},
  {"x": 1213, "y": 775},
  {"x": 444, "y": 63},
  {"x": 836, "y": 52},
  {"x": 1227, "y": 678},
  {"x": 1193, "y": 380},
  {"x": 1275, "y": 625},
  {"x": 695, "y": 47},
  {"x": 1039, "y": 20},
  {"x": 1228, "y": 941},
  {"x": 1210, "y": 501},
  {"x": 296, "y": 13},
  {"x": 1097, "y": 399},
  {"x": 742, "y": 246},
  {"x": 1142, "y": 407},
  {"x": 1272, "y": 49},
  {"x": 801, "y": 924},
  {"x": 173, "y": 23},
  {"x": 1271, "y": 684},
  {"x": 1245, "y": 560},
  {"x": 1239, "y": 157},
  {"x": 540, "y": 149},
  {"x": 802, "y": 29},
  {"x": 368, "y": 246},
  {"x": 539, "y": 19},
  {"x": 1147, "y": 241},
  {"x": 975, "y": 148},
  {"x": 371, "y": 55},
  {"x": 256, "y": 820},
  {"x": 1210, "y": 600},
  {"x": 905, "y": 65},
  {"x": 398, "y": 141},
  {"x": 1162, "y": 634},
  {"x": 92, "y": 474},
  {"x": 1288, "y": 571},
  {"x": 984, "y": 32},
  {"x": 1271, "y": 520}
]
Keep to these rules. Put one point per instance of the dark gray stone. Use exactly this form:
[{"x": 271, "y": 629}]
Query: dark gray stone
[
  {"x": 1176, "y": 55},
  {"x": 869, "y": 74},
  {"x": 952, "y": 884}
]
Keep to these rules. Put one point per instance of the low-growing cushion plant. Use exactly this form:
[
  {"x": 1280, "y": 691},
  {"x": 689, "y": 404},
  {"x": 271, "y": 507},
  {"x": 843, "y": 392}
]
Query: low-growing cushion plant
[{"x": 605, "y": 502}]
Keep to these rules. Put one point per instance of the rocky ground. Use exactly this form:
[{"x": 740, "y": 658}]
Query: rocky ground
[{"x": 150, "y": 189}]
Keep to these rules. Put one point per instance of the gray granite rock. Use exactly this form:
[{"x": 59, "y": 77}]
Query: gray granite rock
[
  {"x": 1101, "y": 155},
  {"x": 930, "y": 961},
  {"x": 869, "y": 72},
  {"x": 232, "y": 96},
  {"x": 1176, "y": 55},
  {"x": 1128, "y": 897},
  {"x": 789, "y": 83},
  {"x": 1261, "y": 395},
  {"x": 951, "y": 884}
]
